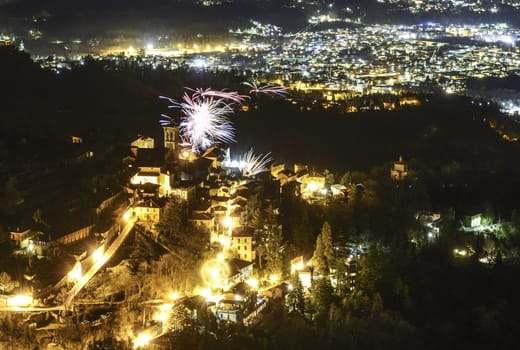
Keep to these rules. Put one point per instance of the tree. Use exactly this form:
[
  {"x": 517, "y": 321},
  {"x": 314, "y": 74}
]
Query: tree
[
  {"x": 260, "y": 251},
  {"x": 377, "y": 305},
  {"x": 6, "y": 283},
  {"x": 323, "y": 257},
  {"x": 318, "y": 258},
  {"x": 489, "y": 213},
  {"x": 371, "y": 269},
  {"x": 321, "y": 299},
  {"x": 329, "y": 177},
  {"x": 295, "y": 300},
  {"x": 253, "y": 211},
  {"x": 273, "y": 252},
  {"x": 346, "y": 179},
  {"x": 326, "y": 241},
  {"x": 172, "y": 220},
  {"x": 448, "y": 228},
  {"x": 272, "y": 241},
  {"x": 341, "y": 272}
]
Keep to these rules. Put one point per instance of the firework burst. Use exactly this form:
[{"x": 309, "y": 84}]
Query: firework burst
[
  {"x": 252, "y": 164},
  {"x": 232, "y": 96},
  {"x": 278, "y": 90},
  {"x": 204, "y": 119}
]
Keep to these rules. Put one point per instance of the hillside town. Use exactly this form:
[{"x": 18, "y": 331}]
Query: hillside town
[{"x": 177, "y": 210}]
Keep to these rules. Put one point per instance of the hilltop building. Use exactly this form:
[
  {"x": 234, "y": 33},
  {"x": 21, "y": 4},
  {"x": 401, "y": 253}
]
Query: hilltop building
[{"x": 400, "y": 170}]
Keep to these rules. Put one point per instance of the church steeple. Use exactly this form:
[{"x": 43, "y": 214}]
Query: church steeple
[{"x": 171, "y": 136}]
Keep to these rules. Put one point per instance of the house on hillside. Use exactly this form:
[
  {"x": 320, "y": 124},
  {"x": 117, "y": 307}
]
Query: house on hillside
[{"x": 399, "y": 170}]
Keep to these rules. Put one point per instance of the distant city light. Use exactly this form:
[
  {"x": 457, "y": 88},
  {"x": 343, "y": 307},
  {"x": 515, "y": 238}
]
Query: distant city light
[
  {"x": 131, "y": 51},
  {"x": 199, "y": 62}
]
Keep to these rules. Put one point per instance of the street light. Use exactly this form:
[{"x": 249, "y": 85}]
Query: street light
[
  {"x": 227, "y": 221},
  {"x": 75, "y": 274},
  {"x": 174, "y": 295},
  {"x": 20, "y": 300},
  {"x": 274, "y": 278},
  {"x": 127, "y": 215},
  {"x": 98, "y": 254},
  {"x": 142, "y": 340},
  {"x": 253, "y": 283}
]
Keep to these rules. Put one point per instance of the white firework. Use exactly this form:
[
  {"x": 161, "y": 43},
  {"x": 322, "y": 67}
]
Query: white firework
[
  {"x": 251, "y": 164},
  {"x": 204, "y": 120},
  {"x": 278, "y": 90},
  {"x": 226, "y": 95}
]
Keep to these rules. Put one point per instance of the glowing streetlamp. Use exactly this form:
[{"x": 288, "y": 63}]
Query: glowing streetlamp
[
  {"x": 98, "y": 254},
  {"x": 31, "y": 247},
  {"x": 253, "y": 283},
  {"x": 163, "y": 314},
  {"x": 76, "y": 273},
  {"x": 174, "y": 295},
  {"x": 274, "y": 278},
  {"x": 209, "y": 295},
  {"x": 227, "y": 222},
  {"x": 20, "y": 300},
  {"x": 127, "y": 215},
  {"x": 214, "y": 273},
  {"x": 225, "y": 241},
  {"x": 142, "y": 340},
  {"x": 130, "y": 51}
]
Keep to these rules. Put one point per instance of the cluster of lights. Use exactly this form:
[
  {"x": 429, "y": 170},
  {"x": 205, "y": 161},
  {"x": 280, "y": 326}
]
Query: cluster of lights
[
  {"x": 249, "y": 164},
  {"x": 76, "y": 274},
  {"x": 21, "y": 300},
  {"x": 460, "y": 252}
]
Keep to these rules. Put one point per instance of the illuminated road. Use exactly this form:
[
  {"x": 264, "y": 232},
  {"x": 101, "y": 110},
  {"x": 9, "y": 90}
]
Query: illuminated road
[
  {"x": 98, "y": 264},
  {"x": 85, "y": 278},
  {"x": 32, "y": 309}
]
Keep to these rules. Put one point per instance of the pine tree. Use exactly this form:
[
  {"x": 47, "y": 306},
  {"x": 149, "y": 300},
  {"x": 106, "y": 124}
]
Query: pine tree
[
  {"x": 321, "y": 299},
  {"x": 319, "y": 261},
  {"x": 172, "y": 217},
  {"x": 326, "y": 242},
  {"x": 295, "y": 300},
  {"x": 323, "y": 257},
  {"x": 377, "y": 304},
  {"x": 6, "y": 283},
  {"x": 346, "y": 179},
  {"x": 273, "y": 252}
]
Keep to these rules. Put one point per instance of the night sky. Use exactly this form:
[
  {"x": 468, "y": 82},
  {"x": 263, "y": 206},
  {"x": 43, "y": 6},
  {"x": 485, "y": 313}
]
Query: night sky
[{"x": 98, "y": 16}]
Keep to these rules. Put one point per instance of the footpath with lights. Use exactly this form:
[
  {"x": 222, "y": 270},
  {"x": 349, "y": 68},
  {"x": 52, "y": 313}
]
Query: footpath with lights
[
  {"x": 100, "y": 261},
  {"x": 99, "y": 258}
]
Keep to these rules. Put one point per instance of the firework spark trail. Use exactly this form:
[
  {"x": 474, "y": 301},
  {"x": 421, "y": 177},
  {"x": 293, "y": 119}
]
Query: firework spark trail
[
  {"x": 253, "y": 164},
  {"x": 227, "y": 95},
  {"x": 278, "y": 90},
  {"x": 204, "y": 120}
]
